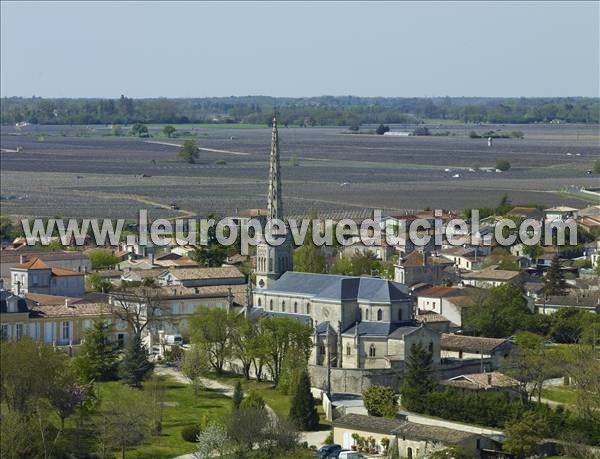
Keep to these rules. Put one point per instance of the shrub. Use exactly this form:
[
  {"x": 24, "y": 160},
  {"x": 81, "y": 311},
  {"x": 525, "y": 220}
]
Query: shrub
[
  {"x": 380, "y": 401},
  {"x": 329, "y": 439},
  {"x": 221, "y": 162},
  {"x": 382, "y": 129},
  {"x": 474, "y": 135},
  {"x": 421, "y": 130},
  {"x": 502, "y": 165},
  {"x": 190, "y": 433}
]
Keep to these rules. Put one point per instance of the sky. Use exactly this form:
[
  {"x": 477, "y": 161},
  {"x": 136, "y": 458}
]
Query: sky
[{"x": 404, "y": 49}]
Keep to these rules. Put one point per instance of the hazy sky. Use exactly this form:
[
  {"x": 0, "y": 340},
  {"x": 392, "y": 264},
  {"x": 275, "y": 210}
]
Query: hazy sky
[{"x": 103, "y": 49}]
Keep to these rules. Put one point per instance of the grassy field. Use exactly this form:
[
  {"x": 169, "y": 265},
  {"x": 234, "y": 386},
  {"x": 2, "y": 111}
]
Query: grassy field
[
  {"x": 560, "y": 394},
  {"x": 181, "y": 409}
]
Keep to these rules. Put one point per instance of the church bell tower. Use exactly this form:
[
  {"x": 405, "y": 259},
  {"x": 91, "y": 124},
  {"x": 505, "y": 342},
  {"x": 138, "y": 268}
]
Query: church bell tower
[{"x": 272, "y": 261}]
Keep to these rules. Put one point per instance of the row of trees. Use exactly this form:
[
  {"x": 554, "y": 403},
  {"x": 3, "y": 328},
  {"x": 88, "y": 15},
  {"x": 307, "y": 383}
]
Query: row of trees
[{"x": 320, "y": 111}]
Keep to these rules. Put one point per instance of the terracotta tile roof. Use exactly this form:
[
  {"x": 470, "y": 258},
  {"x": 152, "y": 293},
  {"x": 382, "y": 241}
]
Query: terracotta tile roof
[
  {"x": 60, "y": 272},
  {"x": 441, "y": 291},
  {"x": 13, "y": 256},
  {"x": 41, "y": 299},
  {"x": 492, "y": 274},
  {"x": 476, "y": 344},
  {"x": 485, "y": 381},
  {"x": 415, "y": 258},
  {"x": 33, "y": 263},
  {"x": 73, "y": 310},
  {"x": 206, "y": 273}
]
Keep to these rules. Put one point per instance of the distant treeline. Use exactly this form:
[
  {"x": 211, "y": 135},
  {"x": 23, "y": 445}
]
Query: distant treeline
[{"x": 311, "y": 111}]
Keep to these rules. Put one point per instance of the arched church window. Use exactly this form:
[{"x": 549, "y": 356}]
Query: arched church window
[
  {"x": 295, "y": 307},
  {"x": 270, "y": 305},
  {"x": 367, "y": 314},
  {"x": 308, "y": 308},
  {"x": 283, "y": 306},
  {"x": 348, "y": 350},
  {"x": 322, "y": 349},
  {"x": 372, "y": 351},
  {"x": 259, "y": 303},
  {"x": 400, "y": 314},
  {"x": 379, "y": 314}
]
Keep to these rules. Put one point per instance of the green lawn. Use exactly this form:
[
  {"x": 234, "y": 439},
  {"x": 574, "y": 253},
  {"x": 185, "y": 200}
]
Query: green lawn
[
  {"x": 182, "y": 409},
  {"x": 279, "y": 402},
  {"x": 560, "y": 394}
]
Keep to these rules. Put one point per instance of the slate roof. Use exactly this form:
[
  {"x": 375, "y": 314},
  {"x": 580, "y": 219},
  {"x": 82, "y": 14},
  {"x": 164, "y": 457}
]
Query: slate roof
[
  {"x": 367, "y": 328},
  {"x": 338, "y": 288}
]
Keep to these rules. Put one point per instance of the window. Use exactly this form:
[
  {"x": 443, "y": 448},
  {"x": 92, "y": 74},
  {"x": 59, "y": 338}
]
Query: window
[
  {"x": 270, "y": 305},
  {"x": 400, "y": 314},
  {"x": 295, "y": 307},
  {"x": 308, "y": 308},
  {"x": 259, "y": 303},
  {"x": 379, "y": 314},
  {"x": 322, "y": 349},
  {"x": 19, "y": 331},
  {"x": 348, "y": 350},
  {"x": 66, "y": 330},
  {"x": 367, "y": 314},
  {"x": 372, "y": 351},
  {"x": 283, "y": 306}
]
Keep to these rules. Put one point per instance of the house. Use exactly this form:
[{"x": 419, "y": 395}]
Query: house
[
  {"x": 484, "y": 382},
  {"x": 420, "y": 267},
  {"x": 62, "y": 325},
  {"x": 550, "y": 305},
  {"x": 494, "y": 351},
  {"x": 411, "y": 440},
  {"x": 71, "y": 260},
  {"x": 464, "y": 257},
  {"x": 491, "y": 277},
  {"x": 561, "y": 213},
  {"x": 450, "y": 302},
  {"x": 202, "y": 277},
  {"x": 35, "y": 276},
  {"x": 175, "y": 260},
  {"x": 436, "y": 321}
]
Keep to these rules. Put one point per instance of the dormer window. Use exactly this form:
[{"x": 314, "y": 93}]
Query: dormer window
[{"x": 348, "y": 350}]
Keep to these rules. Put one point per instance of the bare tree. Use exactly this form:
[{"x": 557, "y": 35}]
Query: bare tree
[{"x": 139, "y": 306}]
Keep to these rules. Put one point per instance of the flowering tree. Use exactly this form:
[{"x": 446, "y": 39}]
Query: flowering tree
[{"x": 212, "y": 442}]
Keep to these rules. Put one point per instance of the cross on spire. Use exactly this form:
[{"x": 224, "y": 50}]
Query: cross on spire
[{"x": 274, "y": 203}]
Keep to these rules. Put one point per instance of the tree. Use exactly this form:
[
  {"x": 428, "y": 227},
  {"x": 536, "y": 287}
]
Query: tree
[
  {"x": 522, "y": 436},
  {"x": 102, "y": 259},
  {"x": 212, "y": 330},
  {"x": 238, "y": 395},
  {"x": 169, "y": 130},
  {"x": 418, "y": 380},
  {"x": 253, "y": 402},
  {"x": 137, "y": 306},
  {"x": 502, "y": 311},
  {"x": 246, "y": 428},
  {"x": 96, "y": 283},
  {"x": 211, "y": 255},
  {"x": 382, "y": 129},
  {"x": 123, "y": 421},
  {"x": 380, "y": 401},
  {"x": 554, "y": 281},
  {"x": 97, "y": 358},
  {"x": 449, "y": 452},
  {"x": 303, "y": 412},
  {"x": 283, "y": 336},
  {"x": 502, "y": 165},
  {"x": 193, "y": 364},
  {"x": 212, "y": 442},
  {"x": 139, "y": 130},
  {"x": 308, "y": 257},
  {"x": 66, "y": 397},
  {"x": 116, "y": 130},
  {"x": 533, "y": 251},
  {"x": 135, "y": 367},
  {"x": 189, "y": 151}
]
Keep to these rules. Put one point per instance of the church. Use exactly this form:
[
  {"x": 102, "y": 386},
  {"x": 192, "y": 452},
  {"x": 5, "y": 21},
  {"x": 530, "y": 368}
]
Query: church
[{"x": 358, "y": 322}]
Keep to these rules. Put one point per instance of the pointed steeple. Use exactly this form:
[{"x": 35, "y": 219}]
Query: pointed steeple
[{"x": 274, "y": 203}]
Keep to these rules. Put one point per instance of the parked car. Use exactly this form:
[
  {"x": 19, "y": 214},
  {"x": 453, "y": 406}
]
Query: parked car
[
  {"x": 173, "y": 339},
  {"x": 329, "y": 451}
]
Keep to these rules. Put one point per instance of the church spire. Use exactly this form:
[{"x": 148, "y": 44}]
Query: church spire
[{"x": 274, "y": 203}]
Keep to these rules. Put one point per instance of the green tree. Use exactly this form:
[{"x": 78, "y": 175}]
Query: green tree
[
  {"x": 189, "y": 151},
  {"x": 139, "y": 130},
  {"x": 96, "y": 283},
  {"x": 169, "y": 130},
  {"x": 303, "y": 412},
  {"x": 502, "y": 165},
  {"x": 568, "y": 324},
  {"x": 554, "y": 280},
  {"x": 116, "y": 130},
  {"x": 103, "y": 259},
  {"x": 212, "y": 255},
  {"x": 212, "y": 330},
  {"x": 308, "y": 257},
  {"x": 193, "y": 364},
  {"x": 502, "y": 311},
  {"x": 253, "y": 401},
  {"x": 135, "y": 367},
  {"x": 380, "y": 401},
  {"x": 342, "y": 266},
  {"x": 522, "y": 436},
  {"x": 533, "y": 251},
  {"x": 97, "y": 358},
  {"x": 238, "y": 395},
  {"x": 418, "y": 381},
  {"x": 450, "y": 452}
]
